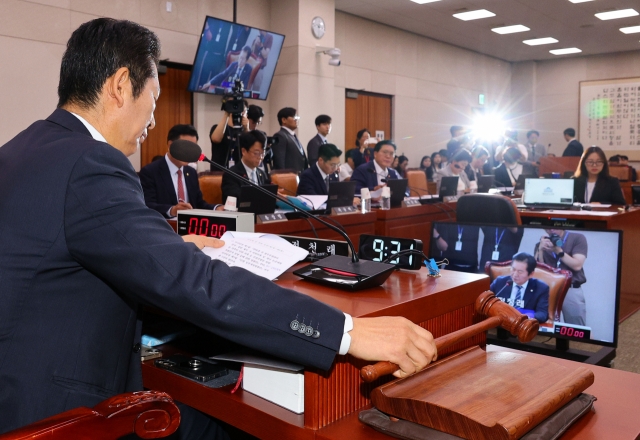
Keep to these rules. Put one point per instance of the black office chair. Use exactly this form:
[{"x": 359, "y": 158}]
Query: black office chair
[{"x": 483, "y": 208}]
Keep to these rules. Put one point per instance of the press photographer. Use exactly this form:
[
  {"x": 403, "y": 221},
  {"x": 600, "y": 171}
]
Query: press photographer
[{"x": 224, "y": 135}]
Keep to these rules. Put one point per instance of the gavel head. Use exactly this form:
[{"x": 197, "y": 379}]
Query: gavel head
[{"x": 518, "y": 324}]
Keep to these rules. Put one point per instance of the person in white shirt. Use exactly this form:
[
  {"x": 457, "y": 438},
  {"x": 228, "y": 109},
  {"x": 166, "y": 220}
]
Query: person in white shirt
[{"x": 456, "y": 167}]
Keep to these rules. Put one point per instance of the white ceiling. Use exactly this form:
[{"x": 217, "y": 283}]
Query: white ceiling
[{"x": 573, "y": 25}]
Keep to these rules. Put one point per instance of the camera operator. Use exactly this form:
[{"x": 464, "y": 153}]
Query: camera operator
[
  {"x": 567, "y": 250},
  {"x": 224, "y": 136}
]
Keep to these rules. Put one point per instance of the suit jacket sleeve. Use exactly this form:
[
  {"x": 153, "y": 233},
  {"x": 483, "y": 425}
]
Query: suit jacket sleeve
[
  {"x": 279, "y": 151},
  {"x": 360, "y": 177},
  {"x": 217, "y": 80},
  {"x": 112, "y": 234},
  {"x": 230, "y": 187},
  {"x": 195, "y": 194},
  {"x": 312, "y": 150},
  {"x": 542, "y": 306},
  {"x": 306, "y": 185},
  {"x": 147, "y": 179},
  {"x": 616, "y": 195}
]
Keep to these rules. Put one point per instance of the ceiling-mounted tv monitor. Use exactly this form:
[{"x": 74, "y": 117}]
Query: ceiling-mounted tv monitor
[{"x": 228, "y": 51}]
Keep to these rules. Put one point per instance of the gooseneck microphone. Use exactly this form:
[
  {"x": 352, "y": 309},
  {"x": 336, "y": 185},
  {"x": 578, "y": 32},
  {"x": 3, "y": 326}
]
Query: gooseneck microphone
[
  {"x": 337, "y": 271},
  {"x": 507, "y": 284}
]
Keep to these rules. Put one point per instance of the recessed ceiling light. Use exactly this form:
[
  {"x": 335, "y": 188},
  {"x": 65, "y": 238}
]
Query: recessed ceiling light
[
  {"x": 539, "y": 41},
  {"x": 474, "y": 15},
  {"x": 566, "y": 51},
  {"x": 622, "y": 13},
  {"x": 580, "y": 1},
  {"x": 510, "y": 29},
  {"x": 422, "y": 2},
  {"x": 630, "y": 30}
]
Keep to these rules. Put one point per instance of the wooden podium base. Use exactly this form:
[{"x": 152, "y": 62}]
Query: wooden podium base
[{"x": 478, "y": 395}]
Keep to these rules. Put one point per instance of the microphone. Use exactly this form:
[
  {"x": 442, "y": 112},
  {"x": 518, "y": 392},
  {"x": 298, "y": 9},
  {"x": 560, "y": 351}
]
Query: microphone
[
  {"x": 336, "y": 270},
  {"x": 508, "y": 283}
]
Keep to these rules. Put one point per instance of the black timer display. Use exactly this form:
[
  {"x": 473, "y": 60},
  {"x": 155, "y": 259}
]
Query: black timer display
[
  {"x": 379, "y": 248},
  {"x": 209, "y": 226}
]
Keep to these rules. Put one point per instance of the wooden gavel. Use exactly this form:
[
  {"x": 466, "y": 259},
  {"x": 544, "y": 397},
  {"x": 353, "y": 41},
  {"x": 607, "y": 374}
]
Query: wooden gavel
[{"x": 498, "y": 313}]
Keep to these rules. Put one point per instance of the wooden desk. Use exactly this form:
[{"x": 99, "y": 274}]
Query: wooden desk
[
  {"x": 441, "y": 305},
  {"x": 413, "y": 222},
  {"x": 629, "y": 223},
  {"x": 557, "y": 165},
  {"x": 616, "y": 415}
]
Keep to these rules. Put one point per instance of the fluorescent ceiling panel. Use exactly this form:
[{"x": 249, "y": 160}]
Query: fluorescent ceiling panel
[
  {"x": 580, "y": 1},
  {"x": 474, "y": 15},
  {"x": 622, "y": 13},
  {"x": 566, "y": 51},
  {"x": 510, "y": 29},
  {"x": 539, "y": 41},
  {"x": 630, "y": 30},
  {"x": 422, "y": 2}
]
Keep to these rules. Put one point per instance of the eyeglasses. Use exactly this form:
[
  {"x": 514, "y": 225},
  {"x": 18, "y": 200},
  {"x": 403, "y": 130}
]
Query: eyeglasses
[
  {"x": 296, "y": 117},
  {"x": 257, "y": 153},
  {"x": 597, "y": 163},
  {"x": 388, "y": 153},
  {"x": 334, "y": 166}
]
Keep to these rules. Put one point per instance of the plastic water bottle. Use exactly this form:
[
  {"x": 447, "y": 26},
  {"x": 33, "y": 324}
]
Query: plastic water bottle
[
  {"x": 365, "y": 200},
  {"x": 385, "y": 201}
]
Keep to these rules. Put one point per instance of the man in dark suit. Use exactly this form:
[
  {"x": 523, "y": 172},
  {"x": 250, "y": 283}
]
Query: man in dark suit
[
  {"x": 73, "y": 280},
  {"x": 288, "y": 152},
  {"x": 521, "y": 290},
  {"x": 170, "y": 185},
  {"x": 315, "y": 180},
  {"x": 574, "y": 148},
  {"x": 375, "y": 173},
  {"x": 252, "y": 151},
  {"x": 236, "y": 70},
  {"x": 323, "y": 125}
]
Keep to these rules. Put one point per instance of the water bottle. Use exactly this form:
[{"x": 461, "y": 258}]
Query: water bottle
[
  {"x": 385, "y": 201},
  {"x": 365, "y": 200}
]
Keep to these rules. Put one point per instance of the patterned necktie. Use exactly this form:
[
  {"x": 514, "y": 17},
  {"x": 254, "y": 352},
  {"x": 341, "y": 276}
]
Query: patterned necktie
[
  {"x": 180, "y": 187},
  {"x": 518, "y": 296},
  {"x": 299, "y": 144}
]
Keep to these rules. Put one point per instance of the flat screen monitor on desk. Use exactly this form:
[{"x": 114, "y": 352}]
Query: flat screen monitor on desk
[
  {"x": 485, "y": 183},
  {"x": 340, "y": 194},
  {"x": 548, "y": 193},
  {"x": 398, "y": 188},
  {"x": 449, "y": 186},
  {"x": 252, "y": 200},
  {"x": 468, "y": 247}
]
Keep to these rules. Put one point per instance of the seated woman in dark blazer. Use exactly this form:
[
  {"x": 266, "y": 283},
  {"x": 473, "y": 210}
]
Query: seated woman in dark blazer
[{"x": 593, "y": 183}]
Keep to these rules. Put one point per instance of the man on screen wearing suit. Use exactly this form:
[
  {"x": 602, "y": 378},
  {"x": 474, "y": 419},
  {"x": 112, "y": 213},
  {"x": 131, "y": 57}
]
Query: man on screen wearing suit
[
  {"x": 287, "y": 151},
  {"x": 375, "y": 173},
  {"x": 236, "y": 70},
  {"x": 252, "y": 151},
  {"x": 316, "y": 180},
  {"x": 74, "y": 280},
  {"x": 574, "y": 148},
  {"x": 170, "y": 185},
  {"x": 522, "y": 291},
  {"x": 323, "y": 125}
]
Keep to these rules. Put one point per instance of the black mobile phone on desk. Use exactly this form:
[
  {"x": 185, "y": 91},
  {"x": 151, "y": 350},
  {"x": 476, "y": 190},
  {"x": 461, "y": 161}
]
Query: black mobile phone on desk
[{"x": 192, "y": 368}]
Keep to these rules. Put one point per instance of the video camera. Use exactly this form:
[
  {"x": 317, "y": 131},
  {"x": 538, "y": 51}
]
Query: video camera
[
  {"x": 234, "y": 103},
  {"x": 555, "y": 240}
]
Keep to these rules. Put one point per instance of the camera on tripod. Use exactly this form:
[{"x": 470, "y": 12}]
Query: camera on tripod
[{"x": 234, "y": 103}]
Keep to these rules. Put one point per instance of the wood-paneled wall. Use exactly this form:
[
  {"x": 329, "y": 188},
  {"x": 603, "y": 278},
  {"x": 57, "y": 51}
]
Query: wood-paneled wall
[
  {"x": 173, "y": 107},
  {"x": 370, "y": 111}
]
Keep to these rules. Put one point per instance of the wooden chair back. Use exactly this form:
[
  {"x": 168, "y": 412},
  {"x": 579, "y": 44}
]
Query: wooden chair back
[
  {"x": 148, "y": 414},
  {"x": 211, "y": 186},
  {"x": 417, "y": 182},
  {"x": 253, "y": 61},
  {"x": 622, "y": 172},
  {"x": 558, "y": 280},
  {"x": 287, "y": 180}
]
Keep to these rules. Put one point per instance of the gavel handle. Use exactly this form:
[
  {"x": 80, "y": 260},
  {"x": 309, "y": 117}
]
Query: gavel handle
[{"x": 373, "y": 372}]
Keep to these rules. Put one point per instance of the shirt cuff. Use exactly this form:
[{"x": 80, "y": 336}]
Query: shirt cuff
[{"x": 346, "y": 337}]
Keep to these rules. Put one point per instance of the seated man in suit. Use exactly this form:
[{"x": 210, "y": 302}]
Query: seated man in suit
[
  {"x": 236, "y": 70},
  {"x": 375, "y": 173},
  {"x": 522, "y": 291},
  {"x": 287, "y": 151},
  {"x": 170, "y": 185},
  {"x": 252, "y": 153},
  {"x": 323, "y": 125},
  {"x": 315, "y": 180}
]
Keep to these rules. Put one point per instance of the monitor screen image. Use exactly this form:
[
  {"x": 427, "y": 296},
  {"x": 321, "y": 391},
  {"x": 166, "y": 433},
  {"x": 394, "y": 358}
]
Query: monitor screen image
[
  {"x": 228, "y": 51},
  {"x": 548, "y": 191},
  {"x": 588, "y": 311}
]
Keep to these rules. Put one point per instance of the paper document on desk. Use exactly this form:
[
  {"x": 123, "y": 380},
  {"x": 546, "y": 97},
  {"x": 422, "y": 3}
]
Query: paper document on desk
[
  {"x": 589, "y": 213},
  {"x": 376, "y": 194},
  {"x": 266, "y": 255},
  {"x": 315, "y": 201}
]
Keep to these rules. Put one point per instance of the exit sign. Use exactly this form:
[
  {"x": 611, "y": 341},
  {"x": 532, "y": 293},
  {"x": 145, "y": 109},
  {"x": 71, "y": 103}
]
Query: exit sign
[{"x": 481, "y": 99}]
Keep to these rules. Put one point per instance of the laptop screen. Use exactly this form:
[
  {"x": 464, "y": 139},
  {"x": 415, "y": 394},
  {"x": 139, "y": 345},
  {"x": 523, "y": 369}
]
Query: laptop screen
[{"x": 548, "y": 191}]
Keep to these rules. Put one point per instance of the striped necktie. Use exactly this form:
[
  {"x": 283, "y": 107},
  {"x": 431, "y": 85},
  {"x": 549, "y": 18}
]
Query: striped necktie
[{"x": 180, "y": 187}]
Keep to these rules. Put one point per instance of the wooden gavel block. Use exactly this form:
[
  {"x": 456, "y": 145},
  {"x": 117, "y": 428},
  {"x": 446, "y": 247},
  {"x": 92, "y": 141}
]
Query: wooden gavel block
[
  {"x": 499, "y": 314},
  {"x": 478, "y": 395}
]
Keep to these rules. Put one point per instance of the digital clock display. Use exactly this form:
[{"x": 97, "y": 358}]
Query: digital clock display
[
  {"x": 379, "y": 248},
  {"x": 569, "y": 331},
  {"x": 209, "y": 226}
]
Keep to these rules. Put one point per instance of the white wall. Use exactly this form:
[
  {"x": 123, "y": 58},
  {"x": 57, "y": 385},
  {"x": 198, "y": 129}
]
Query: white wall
[
  {"x": 435, "y": 85},
  {"x": 551, "y": 91}
]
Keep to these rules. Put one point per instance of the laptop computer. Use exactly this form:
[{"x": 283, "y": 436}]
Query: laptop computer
[
  {"x": 340, "y": 194},
  {"x": 398, "y": 189},
  {"x": 449, "y": 186},
  {"x": 520, "y": 182},
  {"x": 252, "y": 200},
  {"x": 485, "y": 183},
  {"x": 548, "y": 193}
]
